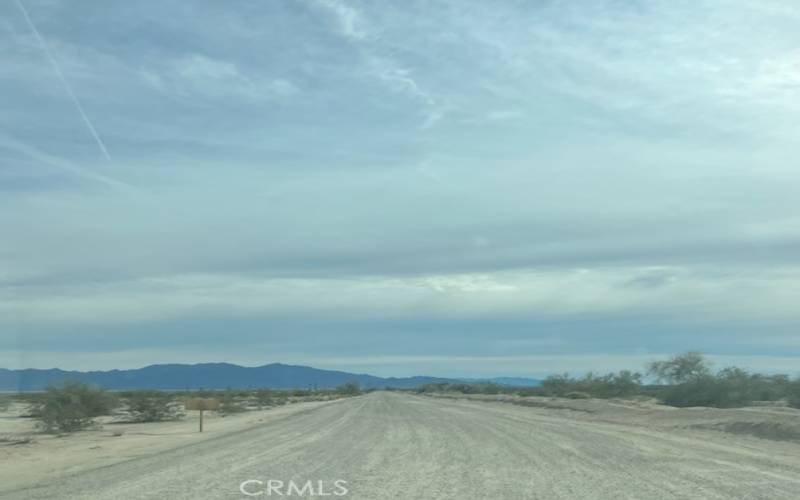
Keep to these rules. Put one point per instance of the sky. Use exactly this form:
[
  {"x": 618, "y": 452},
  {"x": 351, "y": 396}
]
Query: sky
[{"x": 446, "y": 187}]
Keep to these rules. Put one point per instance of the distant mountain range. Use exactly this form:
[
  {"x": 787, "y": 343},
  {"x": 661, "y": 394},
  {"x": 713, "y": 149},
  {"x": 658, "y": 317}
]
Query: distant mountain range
[
  {"x": 507, "y": 381},
  {"x": 220, "y": 376}
]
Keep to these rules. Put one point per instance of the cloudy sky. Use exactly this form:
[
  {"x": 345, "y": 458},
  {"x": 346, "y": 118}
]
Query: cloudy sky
[{"x": 445, "y": 187}]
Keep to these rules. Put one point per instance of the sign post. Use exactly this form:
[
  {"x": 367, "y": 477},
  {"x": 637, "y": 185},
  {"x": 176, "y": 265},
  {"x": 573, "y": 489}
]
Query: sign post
[{"x": 201, "y": 405}]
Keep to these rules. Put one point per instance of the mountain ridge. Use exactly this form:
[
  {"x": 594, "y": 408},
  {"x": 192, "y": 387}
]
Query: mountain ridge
[{"x": 178, "y": 376}]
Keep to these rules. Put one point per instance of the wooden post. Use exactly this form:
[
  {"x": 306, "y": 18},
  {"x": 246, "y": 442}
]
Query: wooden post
[{"x": 201, "y": 420}]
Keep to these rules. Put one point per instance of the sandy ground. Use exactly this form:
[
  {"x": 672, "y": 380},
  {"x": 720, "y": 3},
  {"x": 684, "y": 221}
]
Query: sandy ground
[
  {"x": 50, "y": 457},
  {"x": 766, "y": 421},
  {"x": 396, "y": 446}
]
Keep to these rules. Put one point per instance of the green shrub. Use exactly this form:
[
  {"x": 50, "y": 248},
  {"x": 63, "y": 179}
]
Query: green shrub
[
  {"x": 611, "y": 385},
  {"x": 730, "y": 388},
  {"x": 708, "y": 390},
  {"x": 152, "y": 406},
  {"x": 555, "y": 385},
  {"x": 688, "y": 381},
  {"x": 680, "y": 368},
  {"x": 71, "y": 406},
  {"x": 793, "y": 393}
]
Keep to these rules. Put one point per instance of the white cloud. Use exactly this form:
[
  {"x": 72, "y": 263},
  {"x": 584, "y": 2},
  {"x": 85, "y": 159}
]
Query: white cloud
[
  {"x": 696, "y": 296},
  {"x": 379, "y": 65},
  {"x": 349, "y": 20},
  {"x": 200, "y": 76}
]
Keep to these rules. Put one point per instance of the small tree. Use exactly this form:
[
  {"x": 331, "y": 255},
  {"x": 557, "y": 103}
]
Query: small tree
[
  {"x": 71, "y": 406},
  {"x": 153, "y": 406},
  {"x": 681, "y": 368}
]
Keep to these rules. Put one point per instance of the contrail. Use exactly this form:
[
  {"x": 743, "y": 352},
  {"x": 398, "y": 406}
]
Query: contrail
[
  {"x": 63, "y": 79},
  {"x": 13, "y": 144}
]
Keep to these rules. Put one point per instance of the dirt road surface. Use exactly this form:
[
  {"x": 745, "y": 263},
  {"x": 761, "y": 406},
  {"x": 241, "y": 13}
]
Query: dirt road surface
[{"x": 396, "y": 446}]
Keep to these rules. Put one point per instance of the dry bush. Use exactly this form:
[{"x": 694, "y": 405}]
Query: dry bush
[
  {"x": 71, "y": 406},
  {"x": 153, "y": 406}
]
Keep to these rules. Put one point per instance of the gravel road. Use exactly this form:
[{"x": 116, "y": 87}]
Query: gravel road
[{"x": 395, "y": 446}]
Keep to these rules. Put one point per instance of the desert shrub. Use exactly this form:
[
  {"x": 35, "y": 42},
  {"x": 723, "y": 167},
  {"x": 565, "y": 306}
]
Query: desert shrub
[
  {"x": 686, "y": 380},
  {"x": 152, "y": 406},
  {"x": 707, "y": 390},
  {"x": 264, "y": 397},
  {"x": 624, "y": 383},
  {"x": 71, "y": 406},
  {"x": 349, "y": 389},
  {"x": 5, "y": 402},
  {"x": 488, "y": 388},
  {"x": 229, "y": 403},
  {"x": 743, "y": 388},
  {"x": 769, "y": 388},
  {"x": 528, "y": 391},
  {"x": 729, "y": 388},
  {"x": 680, "y": 368},
  {"x": 433, "y": 387},
  {"x": 793, "y": 393},
  {"x": 555, "y": 385},
  {"x": 611, "y": 385}
]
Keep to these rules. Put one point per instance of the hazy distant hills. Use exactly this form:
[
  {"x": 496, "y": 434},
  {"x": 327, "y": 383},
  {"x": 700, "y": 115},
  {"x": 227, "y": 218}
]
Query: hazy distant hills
[
  {"x": 216, "y": 376},
  {"x": 507, "y": 381}
]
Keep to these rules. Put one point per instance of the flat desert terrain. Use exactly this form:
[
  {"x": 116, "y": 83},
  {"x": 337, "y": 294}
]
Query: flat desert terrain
[{"x": 400, "y": 446}]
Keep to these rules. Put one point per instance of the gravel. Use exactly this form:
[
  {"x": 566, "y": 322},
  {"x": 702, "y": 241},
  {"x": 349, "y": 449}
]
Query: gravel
[{"x": 399, "y": 446}]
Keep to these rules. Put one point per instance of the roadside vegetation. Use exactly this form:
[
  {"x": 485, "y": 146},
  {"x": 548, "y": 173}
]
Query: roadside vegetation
[
  {"x": 349, "y": 389},
  {"x": 73, "y": 406},
  {"x": 683, "y": 380},
  {"x": 152, "y": 406}
]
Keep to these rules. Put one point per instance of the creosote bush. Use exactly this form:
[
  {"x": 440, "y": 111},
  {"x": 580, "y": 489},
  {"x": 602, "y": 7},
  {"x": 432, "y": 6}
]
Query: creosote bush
[
  {"x": 793, "y": 393},
  {"x": 611, "y": 385},
  {"x": 152, "y": 406},
  {"x": 71, "y": 406},
  {"x": 683, "y": 380}
]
